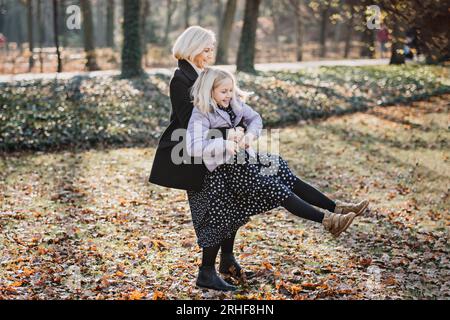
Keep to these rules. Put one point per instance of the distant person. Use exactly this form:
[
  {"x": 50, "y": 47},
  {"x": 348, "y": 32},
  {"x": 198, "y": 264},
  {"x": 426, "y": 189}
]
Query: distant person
[
  {"x": 412, "y": 45},
  {"x": 3, "y": 40},
  {"x": 383, "y": 39}
]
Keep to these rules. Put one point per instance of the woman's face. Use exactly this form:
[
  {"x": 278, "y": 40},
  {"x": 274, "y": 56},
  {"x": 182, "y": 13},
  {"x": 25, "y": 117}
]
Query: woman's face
[
  {"x": 223, "y": 93},
  {"x": 204, "y": 58}
]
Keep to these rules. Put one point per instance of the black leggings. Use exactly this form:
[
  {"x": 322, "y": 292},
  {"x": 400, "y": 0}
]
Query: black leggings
[{"x": 299, "y": 203}]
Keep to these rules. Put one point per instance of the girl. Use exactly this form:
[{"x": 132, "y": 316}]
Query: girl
[{"x": 257, "y": 182}]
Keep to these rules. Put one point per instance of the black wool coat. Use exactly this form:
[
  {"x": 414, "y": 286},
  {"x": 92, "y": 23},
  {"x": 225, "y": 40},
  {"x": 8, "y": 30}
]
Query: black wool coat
[{"x": 164, "y": 172}]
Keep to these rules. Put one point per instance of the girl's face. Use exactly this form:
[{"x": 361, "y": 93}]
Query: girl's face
[
  {"x": 205, "y": 57},
  {"x": 223, "y": 93}
]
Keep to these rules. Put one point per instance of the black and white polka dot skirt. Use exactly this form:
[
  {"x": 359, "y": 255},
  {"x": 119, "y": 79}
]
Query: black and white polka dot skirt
[{"x": 234, "y": 192}]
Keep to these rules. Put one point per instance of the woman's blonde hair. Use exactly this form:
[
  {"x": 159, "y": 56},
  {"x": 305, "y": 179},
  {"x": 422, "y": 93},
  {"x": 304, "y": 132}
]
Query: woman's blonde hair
[
  {"x": 192, "y": 42},
  {"x": 207, "y": 81}
]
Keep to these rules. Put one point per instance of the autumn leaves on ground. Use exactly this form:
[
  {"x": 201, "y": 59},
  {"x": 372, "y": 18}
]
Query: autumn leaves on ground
[{"x": 87, "y": 225}]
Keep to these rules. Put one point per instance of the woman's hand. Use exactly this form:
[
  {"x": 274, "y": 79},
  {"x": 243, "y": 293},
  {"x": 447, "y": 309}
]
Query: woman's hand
[
  {"x": 231, "y": 147},
  {"x": 235, "y": 134},
  {"x": 245, "y": 142}
]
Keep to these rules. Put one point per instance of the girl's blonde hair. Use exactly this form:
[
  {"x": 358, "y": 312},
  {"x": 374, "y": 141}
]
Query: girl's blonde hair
[
  {"x": 207, "y": 81},
  {"x": 192, "y": 42}
]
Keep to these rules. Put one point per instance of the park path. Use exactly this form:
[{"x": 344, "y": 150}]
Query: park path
[{"x": 292, "y": 66}]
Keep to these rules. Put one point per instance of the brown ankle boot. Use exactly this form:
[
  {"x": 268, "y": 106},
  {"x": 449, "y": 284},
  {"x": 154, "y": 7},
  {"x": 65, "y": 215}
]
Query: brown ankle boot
[
  {"x": 345, "y": 207},
  {"x": 337, "y": 223}
]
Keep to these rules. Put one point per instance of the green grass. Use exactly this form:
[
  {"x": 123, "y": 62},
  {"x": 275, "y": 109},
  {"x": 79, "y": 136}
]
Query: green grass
[{"x": 85, "y": 112}]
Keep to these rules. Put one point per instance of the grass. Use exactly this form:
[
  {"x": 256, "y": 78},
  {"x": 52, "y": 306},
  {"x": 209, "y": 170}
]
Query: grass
[{"x": 87, "y": 112}]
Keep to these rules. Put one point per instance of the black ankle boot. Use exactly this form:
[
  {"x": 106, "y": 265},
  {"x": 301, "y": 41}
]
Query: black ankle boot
[
  {"x": 208, "y": 278},
  {"x": 228, "y": 265}
]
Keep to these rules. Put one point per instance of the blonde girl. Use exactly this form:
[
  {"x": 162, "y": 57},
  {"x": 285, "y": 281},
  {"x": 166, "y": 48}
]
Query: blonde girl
[{"x": 240, "y": 182}]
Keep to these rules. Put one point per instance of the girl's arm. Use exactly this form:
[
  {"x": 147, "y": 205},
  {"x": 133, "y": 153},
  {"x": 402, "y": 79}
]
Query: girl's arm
[
  {"x": 252, "y": 120},
  {"x": 216, "y": 150}
]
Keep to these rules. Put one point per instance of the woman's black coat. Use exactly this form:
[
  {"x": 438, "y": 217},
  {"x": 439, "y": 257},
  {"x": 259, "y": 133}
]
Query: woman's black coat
[{"x": 164, "y": 171}]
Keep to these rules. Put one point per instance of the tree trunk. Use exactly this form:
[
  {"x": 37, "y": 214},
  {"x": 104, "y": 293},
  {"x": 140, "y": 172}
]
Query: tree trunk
[
  {"x": 30, "y": 34},
  {"x": 368, "y": 43},
  {"x": 88, "y": 28},
  {"x": 2, "y": 16},
  {"x": 62, "y": 29},
  {"x": 246, "y": 52},
  {"x": 170, "y": 10},
  {"x": 145, "y": 10},
  {"x": 225, "y": 32},
  {"x": 41, "y": 34},
  {"x": 296, "y": 5},
  {"x": 219, "y": 14},
  {"x": 324, "y": 30},
  {"x": 398, "y": 41},
  {"x": 276, "y": 30},
  {"x": 110, "y": 16},
  {"x": 131, "y": 51},
  {"x": 200, "y": 12},
  {"x": 348, "y": 35},
  {"x": 187, "y": 13},
  {"x": 56, "y": 33}
]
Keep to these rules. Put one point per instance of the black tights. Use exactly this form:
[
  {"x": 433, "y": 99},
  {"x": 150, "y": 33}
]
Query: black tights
[{"x": 299, "y": 203}]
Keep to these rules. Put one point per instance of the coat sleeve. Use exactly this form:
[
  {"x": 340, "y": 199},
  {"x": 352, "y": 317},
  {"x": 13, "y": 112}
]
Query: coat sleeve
[
  {"x": 212, "y": 151},
  {"x": 252, "y": 120},
  {"x": 181, "y": 100}
]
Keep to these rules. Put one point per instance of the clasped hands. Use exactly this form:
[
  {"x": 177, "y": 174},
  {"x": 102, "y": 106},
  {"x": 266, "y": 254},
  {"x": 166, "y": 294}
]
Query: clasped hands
[{"x": 238, "y": 139}]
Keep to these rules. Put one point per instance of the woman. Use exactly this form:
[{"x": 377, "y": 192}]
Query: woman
[{"x": 194, "y": 51}]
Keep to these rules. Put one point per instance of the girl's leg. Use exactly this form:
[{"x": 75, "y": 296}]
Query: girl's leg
[
  {"x": 302, "y": 209},
  {"x": 313, "y": 196},
  {"x": 332, "y": 222}
]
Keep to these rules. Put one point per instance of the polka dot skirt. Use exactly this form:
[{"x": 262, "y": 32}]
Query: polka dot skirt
[{"x": 234, "y": 192}]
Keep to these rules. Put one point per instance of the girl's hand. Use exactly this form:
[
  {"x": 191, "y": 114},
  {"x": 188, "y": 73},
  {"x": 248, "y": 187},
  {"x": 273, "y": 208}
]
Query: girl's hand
[
  {"x": 246, "y": 141},
  {"x": 231, "y": 147},
  {"x": 235, "y": 134}
]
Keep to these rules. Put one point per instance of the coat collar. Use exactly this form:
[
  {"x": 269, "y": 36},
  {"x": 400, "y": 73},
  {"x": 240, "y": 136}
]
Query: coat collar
[
  {"x": 188, "y": 70},
  {"x": 237, "y": 111}
]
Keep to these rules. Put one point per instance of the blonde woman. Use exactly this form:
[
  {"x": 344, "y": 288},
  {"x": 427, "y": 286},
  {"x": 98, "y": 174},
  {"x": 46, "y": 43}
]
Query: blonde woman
[{"x": 194, "y": 51}]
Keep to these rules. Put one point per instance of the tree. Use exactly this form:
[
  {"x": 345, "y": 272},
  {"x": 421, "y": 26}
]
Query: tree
[
  {"x": 397, "y": 56},
  {"x": 145, "y": 12},
  {"x": 171, "y": 6},
  {"x": 296, "y": 6},
  {"x": 225, "y": 32},
  {"x": 30, "y": 34},
  {"x": 187, "y": 13},
  {"x": 56, "y": 33},
  {"x": 88, "y": 28},
  {"x": 324, "y": 16},
  {"x": 429, "y": 19},
  {"x": 131, "y": 51},
  {"x": 110, "y": 16},
  {"x": 41, "y": 34},
  {"x": 350, "y": 24},
  {"x": 246, "y": 52},
  {"x": 200, "y": 11}
]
